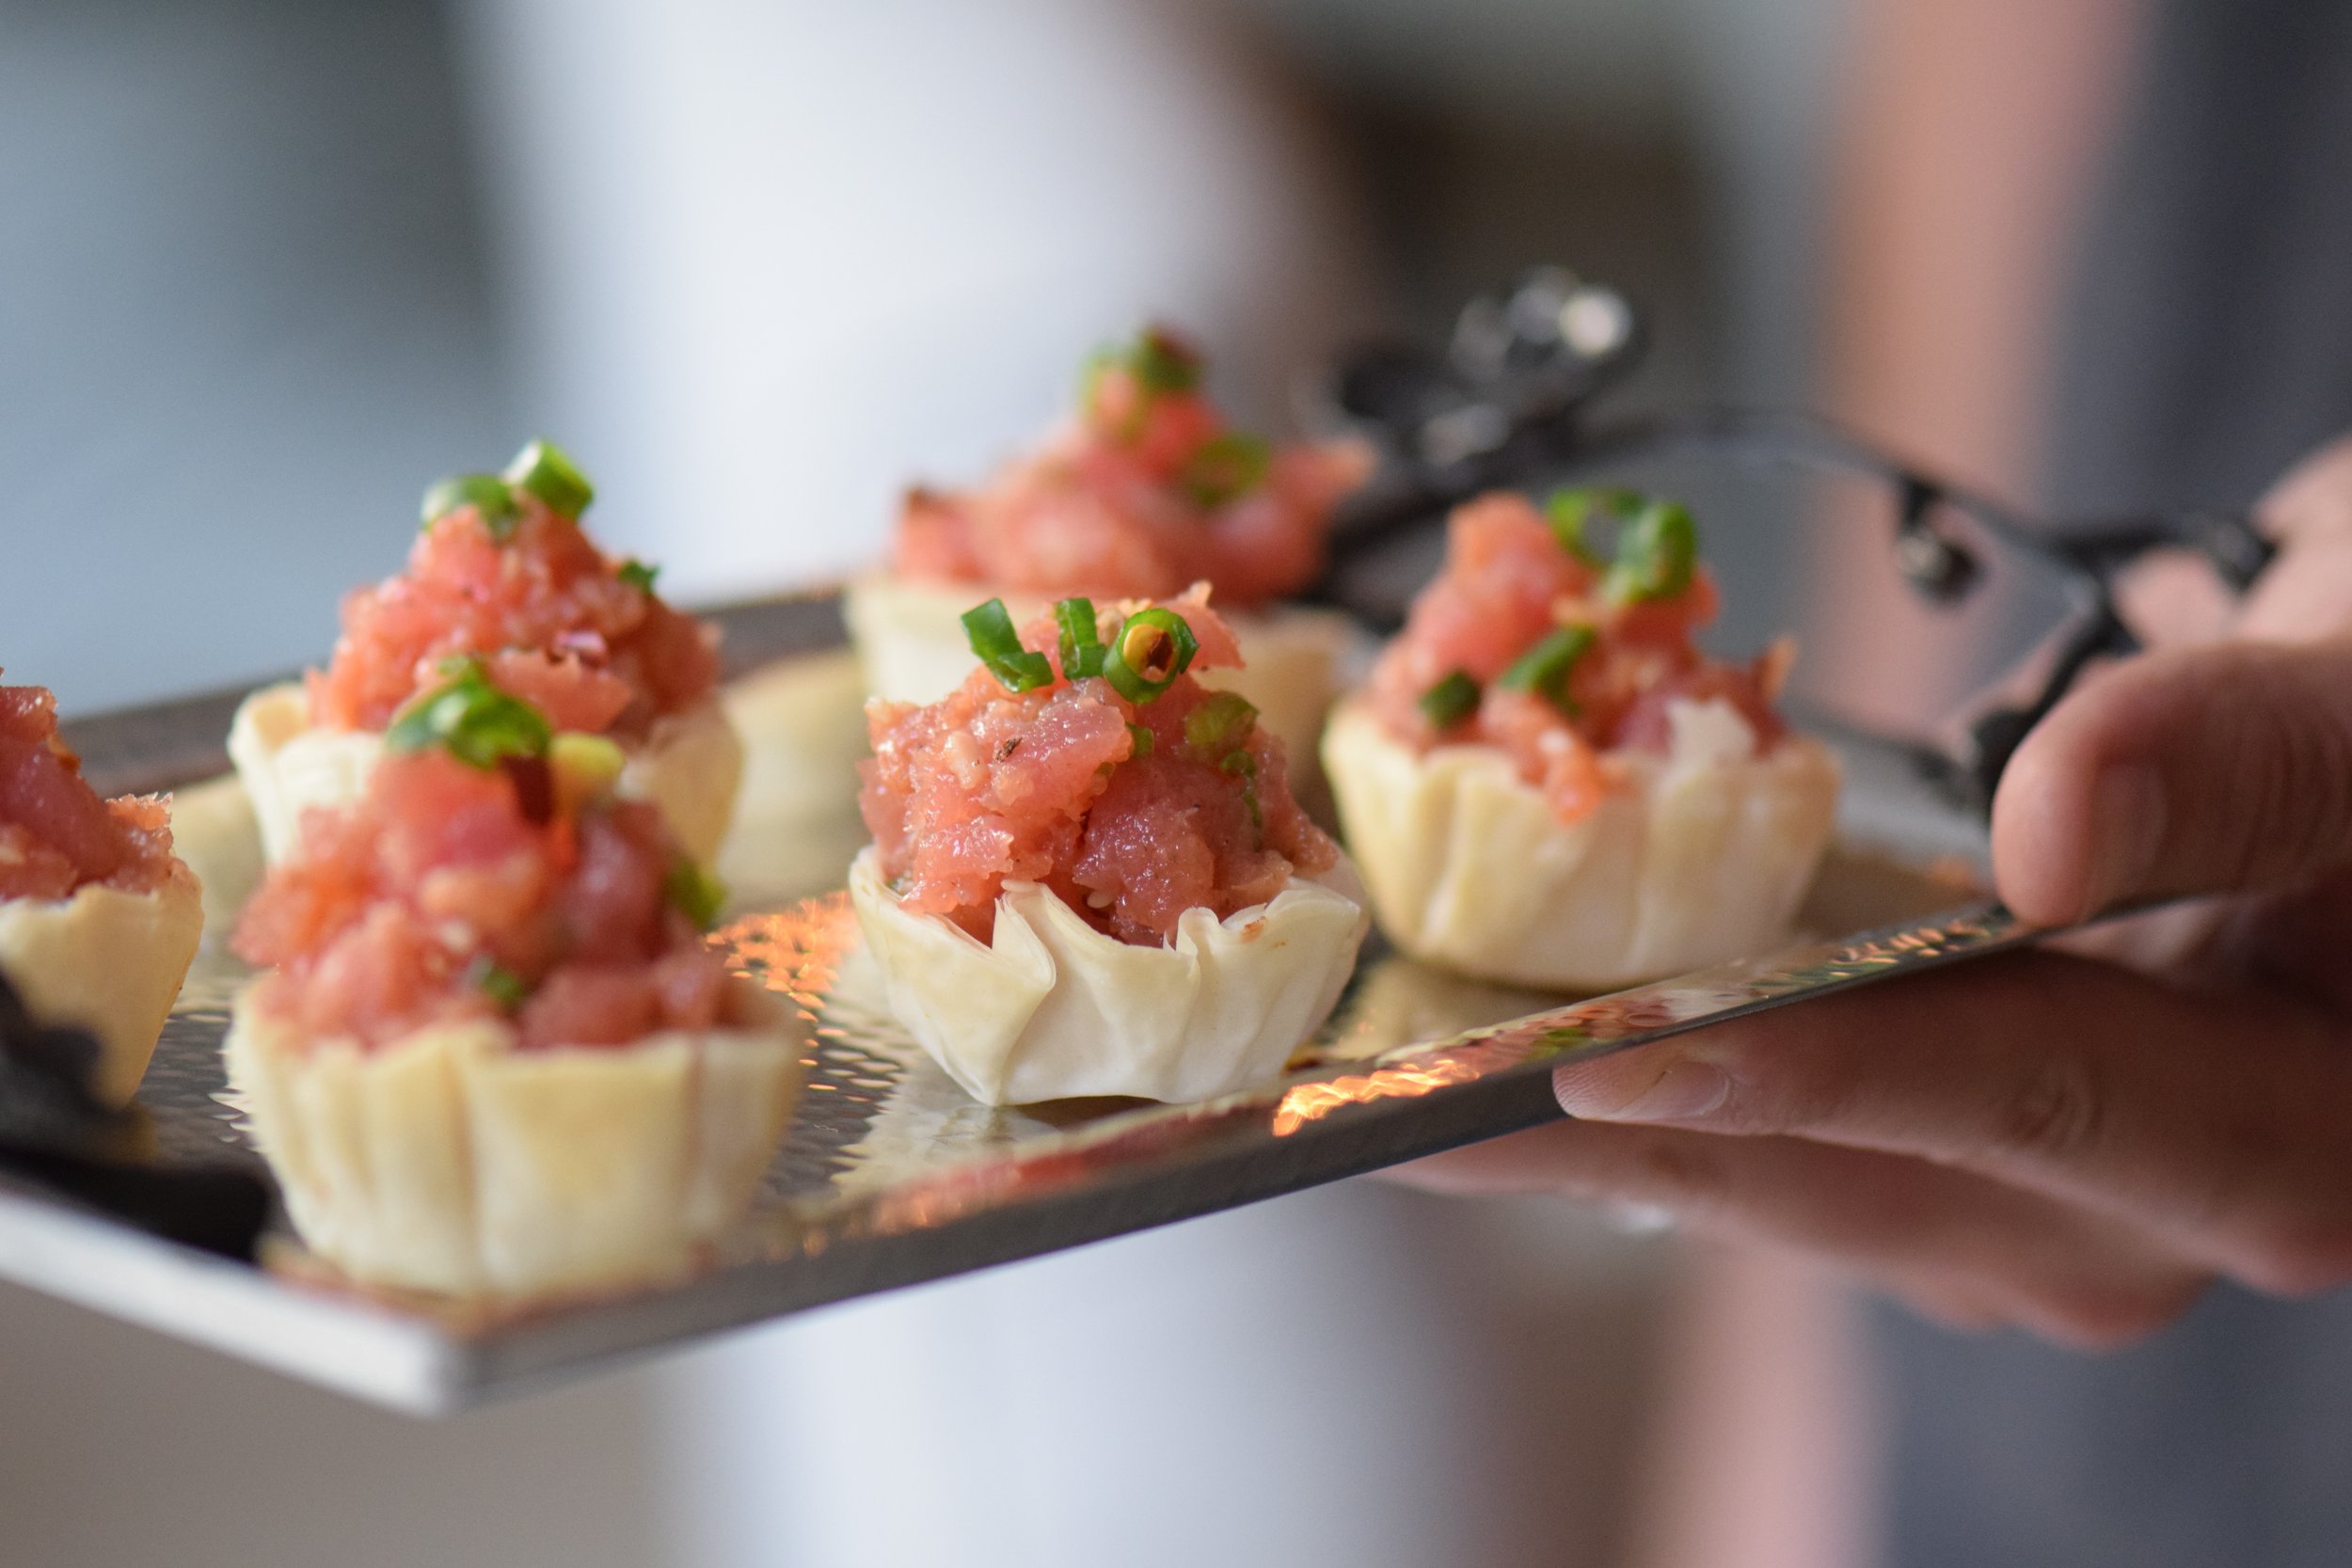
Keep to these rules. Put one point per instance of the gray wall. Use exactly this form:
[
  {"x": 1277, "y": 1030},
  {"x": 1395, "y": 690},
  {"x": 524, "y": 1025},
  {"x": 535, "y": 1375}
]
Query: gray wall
[{"x": 243, "y": 321}]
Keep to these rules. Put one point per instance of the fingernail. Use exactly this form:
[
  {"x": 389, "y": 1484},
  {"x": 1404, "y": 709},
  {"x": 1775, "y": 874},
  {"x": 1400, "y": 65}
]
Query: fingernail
[
  {"x": 2127, "y": 834},
  {"x": 1685, "y": 1091}
]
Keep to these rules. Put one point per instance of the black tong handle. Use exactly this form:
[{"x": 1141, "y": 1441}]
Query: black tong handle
[{"x": 1510, "y": 402}]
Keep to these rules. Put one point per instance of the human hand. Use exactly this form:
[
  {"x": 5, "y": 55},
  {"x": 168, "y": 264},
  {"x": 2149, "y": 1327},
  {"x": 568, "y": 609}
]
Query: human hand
[{"x": 2077, "y": 1141}]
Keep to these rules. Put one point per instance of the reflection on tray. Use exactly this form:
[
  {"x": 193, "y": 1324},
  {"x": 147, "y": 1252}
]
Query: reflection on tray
[{"x": 878, "y": 1117}]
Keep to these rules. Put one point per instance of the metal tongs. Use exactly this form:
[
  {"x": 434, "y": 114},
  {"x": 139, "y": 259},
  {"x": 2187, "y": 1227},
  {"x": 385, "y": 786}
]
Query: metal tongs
[{"x": 1515, "y": 400}]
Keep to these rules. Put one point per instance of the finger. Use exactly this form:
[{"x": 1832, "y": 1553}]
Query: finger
[
  {"x": 2291, "y": 940},
  {"x": 2306, "y": 593},
  {"x": 2216, "y": 1126},
  {"x": 2313, "y": 500},
  {"x": 2205, "y": 771},
  {"x": 1959, "y": 1246},
  {"x": 2169, "y": 940},
  {"x": 2175, "y": 599}
]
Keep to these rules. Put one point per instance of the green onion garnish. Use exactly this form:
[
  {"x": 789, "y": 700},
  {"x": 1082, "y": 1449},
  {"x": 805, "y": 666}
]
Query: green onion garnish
[
  {"x": 696, "y": 892},
  {"x": 1152, "y": 648},
  {"x": 1219, "y": 725},
  {"x": 1656, "y": 555},
  {"x": 1225, "y": 468},
  {"x": 1570, "y": 513},
  {"x": 989, "y": 628},
  {"x": 1242, "y": 765},
  {"x": 638, "y": 574},
  {"x": 1450, "y": 701},
  {"x": 1081, "y": 644},
  {"x": 1090, "y": 374},
  {"x": 1139, "y": 743},
  {"x": 1544, "y": 668},
  {"x": 473, "y": 720},
  {"x": 1162, "y": 362},
  {"x": 489, "y": 496},
  {"x": 501, "y": 985},
  {"x": 542, "y": 468}
]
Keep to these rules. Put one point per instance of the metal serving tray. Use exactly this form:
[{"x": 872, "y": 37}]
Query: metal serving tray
[{"x": 891, "y": 1176}]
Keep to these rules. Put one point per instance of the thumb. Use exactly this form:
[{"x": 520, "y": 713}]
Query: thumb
[{"x": 2212, "y": 769}]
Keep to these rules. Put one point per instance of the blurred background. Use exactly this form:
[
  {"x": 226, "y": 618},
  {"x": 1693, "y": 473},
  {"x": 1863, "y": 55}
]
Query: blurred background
[
  {"x": 266, "y": 268},
  {"x": 269, "y": 268}
]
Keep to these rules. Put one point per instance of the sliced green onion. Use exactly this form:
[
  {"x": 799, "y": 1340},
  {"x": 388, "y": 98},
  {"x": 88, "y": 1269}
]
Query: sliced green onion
[
  {"x": 1140, "y": 742},
  {"x": 1152, "y": 648},
  {"x": 1163, "y": 362},
  {"x": 1570, "y": 513},
  {"x": 542, "y": 468},
  {"x": 1242, "y": 765},
  {"x": 1225, "y": 468},
  {"x": 1090, "y": 374},
  {"x": 501, "y": 985},
  {"x": 1158, "y": 361},
  {"x": 1450, "y": 701},
  {"x": 638, "y": 574},
  {"x": 989, "y": 628},
  {"x": 1656, "y": 555},
  {"x": 473, "y": 720},
  {"x": 491, "y": 497},
  {"x": 1219, "y": 725},
  {"x": 582, "y": 768},
  {"x": 694, "y": 892},
  {"x": 1544, "y": 668},
  {"x": 1081, "y": 644}
]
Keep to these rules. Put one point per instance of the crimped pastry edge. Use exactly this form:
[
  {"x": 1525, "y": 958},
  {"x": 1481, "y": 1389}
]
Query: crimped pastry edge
[
  {"x": 910, "y": 642},
  {"x": 691, "y": 766},
  {"x": 108, "y": 961},
  {"x": 1699, "y": 858},
  {"x": 449, "y": 1161},
  {"x": 1052, "y": 1009}
]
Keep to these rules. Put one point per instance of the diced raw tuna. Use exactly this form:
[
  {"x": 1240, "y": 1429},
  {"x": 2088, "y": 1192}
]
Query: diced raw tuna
[
  {"x": 1144, "y": 493},
  {"x": 1509, "y": 584},
  {"x": 553, "y": 619},
  {"x": 56, "y": 834},
  {"x": 989, "y": 787},
  {"x": 438, "y": 896}
]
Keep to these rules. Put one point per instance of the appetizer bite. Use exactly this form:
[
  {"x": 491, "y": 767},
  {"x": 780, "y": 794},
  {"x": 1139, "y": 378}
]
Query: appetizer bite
[
  {"x": 1548, "y": 782},
  {"x": 1143, "y": 493},
  {"x": 503, "y": 576},
  {"x": 1088, "y": 875},
  {"x": 493, "y": 1055},
  {"x": 99, "y": 920}
]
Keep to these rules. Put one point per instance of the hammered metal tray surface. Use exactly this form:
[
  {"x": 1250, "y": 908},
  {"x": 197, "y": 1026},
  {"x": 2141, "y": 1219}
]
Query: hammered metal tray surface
[{"x": 891, "y": 1175}]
